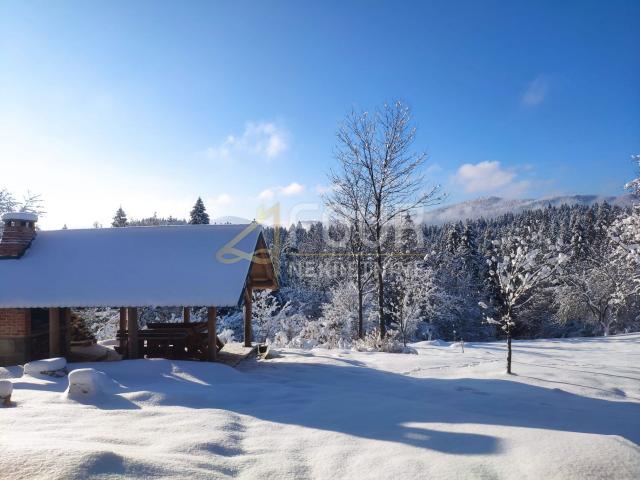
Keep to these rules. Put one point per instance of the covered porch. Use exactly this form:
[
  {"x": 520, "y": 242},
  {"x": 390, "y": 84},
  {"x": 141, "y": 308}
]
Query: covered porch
[{"x": 200, "y": 266}]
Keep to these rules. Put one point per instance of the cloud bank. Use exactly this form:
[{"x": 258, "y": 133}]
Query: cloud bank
[
  {"x": 259, "y": 139},
  {"x": 489, "y": 177}
]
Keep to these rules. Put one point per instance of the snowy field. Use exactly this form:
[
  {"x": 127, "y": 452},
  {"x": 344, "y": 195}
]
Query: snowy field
[{"x": 572, "y": 411}]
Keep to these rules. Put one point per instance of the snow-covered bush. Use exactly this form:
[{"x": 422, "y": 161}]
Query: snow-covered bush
[
  {"x": 226, "y": 336},
  {"x": 269, "y": 317},
  {"x": 390, "y": 343}
]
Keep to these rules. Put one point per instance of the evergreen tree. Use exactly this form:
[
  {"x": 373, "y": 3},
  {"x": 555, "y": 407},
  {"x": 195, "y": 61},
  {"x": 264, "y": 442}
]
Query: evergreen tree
[
  {"x": 120, "y": 218},
  {"x": 199, "y": 215},
  {"x": 408, "y": 236},
  {"x": 579, "y": 238},
  {"x": 468, "y": 249},
  {"x": 452, "y": 239}
]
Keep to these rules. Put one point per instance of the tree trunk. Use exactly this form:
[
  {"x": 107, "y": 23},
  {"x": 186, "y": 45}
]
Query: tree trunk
[
  {"x": 509, "y": 350},
  {"x": 606, "y": 324},
  {"x": 383, "y": 328},
  {"x": 360, "y": 306}
]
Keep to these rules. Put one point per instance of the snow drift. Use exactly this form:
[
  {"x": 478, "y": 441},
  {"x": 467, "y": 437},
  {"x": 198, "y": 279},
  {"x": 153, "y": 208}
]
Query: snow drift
[{"x": 571, "y": 412}]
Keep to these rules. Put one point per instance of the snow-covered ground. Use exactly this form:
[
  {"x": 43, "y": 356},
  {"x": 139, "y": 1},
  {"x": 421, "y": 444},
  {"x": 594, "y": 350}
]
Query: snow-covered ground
[{"x": 572, "y": 411}]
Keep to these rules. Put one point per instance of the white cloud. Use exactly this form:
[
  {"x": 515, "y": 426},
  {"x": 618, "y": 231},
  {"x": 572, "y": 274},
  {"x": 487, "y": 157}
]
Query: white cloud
[
  {"x": 535, "y": 92},
  {"x": 489, "y": 177},
  {"x": 294, "y": 188},
  {"x": 259, "y": 139},
  {"x": 267, "y": 194}
]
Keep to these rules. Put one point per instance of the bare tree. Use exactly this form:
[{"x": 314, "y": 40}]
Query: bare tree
[
  {"x": 348, "y": 199},
  {"x": 377, "y": 151},
  {"x": 31, "y": 203}
]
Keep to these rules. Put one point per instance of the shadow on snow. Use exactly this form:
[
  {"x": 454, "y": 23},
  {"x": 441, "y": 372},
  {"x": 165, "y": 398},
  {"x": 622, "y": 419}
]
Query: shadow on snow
[{"x": 357, "y": 400}]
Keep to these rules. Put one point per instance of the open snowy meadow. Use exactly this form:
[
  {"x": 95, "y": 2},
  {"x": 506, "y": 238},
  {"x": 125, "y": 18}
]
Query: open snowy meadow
[{"x": 571, "y": 411}]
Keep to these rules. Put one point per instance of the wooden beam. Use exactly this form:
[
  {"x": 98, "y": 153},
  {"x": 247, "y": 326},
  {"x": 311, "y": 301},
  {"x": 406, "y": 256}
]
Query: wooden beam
[
  {"x": 211, "y": 335},
  {"x": 263, "y": 285},
  {"x": 132, "y": 329},
  {"x": 123, "y": 329},
  {"x": 186, "y": 314},
  {"x": 248, "y": 294},
  {"x": 54, "y": 332},
  {"x": 268, "y": 266}
]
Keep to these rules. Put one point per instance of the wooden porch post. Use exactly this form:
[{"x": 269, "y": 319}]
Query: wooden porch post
[
  {"x": 132, "y": 327},
  {"x": 65, "y": 315},
  {"x": 54, "y": 332},
  {"x": 123, "y": 328},
  {"x": 186, "y": 314},
  {"x": 211, "y": 328},
  {"x": 247, "y": 315}
]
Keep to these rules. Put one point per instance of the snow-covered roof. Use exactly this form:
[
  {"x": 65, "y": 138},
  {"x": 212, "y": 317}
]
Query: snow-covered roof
[
  {"x": 24, "y": 216},
  {"x": 131, "y": 267}
]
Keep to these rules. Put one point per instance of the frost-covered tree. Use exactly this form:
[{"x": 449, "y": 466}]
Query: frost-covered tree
[
  {"x": 597, "y": 288},
  {"x": 199, "y": 215},
  {"x": 120, "y": 218},
  {"x": 624, "y": 235},
  {"x": 379, "y": 147},
  {"x": 30, "y": 203},
  {"x": 520, "y": 263},
  {"x": 408, "y": 238},
  {"x": 7, "y": 202},
  {"x": 339, "y": 317},
  {"x": 634, "y": 185},
  {"x": 412, "y": 298}
]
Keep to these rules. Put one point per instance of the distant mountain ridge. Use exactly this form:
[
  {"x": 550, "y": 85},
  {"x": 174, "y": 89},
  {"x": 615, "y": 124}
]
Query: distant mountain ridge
[{"x": 492, "y": 207}]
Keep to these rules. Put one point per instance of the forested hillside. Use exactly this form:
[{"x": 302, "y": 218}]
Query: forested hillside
[{"x": 441, "y": 275}]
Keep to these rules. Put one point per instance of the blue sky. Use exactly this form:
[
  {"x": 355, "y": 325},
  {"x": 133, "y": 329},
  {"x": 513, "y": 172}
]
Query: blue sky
[{"x": 150, "y": 104}]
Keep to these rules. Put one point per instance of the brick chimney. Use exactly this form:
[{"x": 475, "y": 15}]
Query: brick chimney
[{"x": 19, "y": 230}]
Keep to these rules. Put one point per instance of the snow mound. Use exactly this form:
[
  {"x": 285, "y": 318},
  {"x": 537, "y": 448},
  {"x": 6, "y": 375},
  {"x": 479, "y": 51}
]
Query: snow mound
[
  {"x": 6, "y": 388},
  {"x": 15, "y": 371},
  {"x": 86, "y": 382},
  {"x": 53, "y": 367}
]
